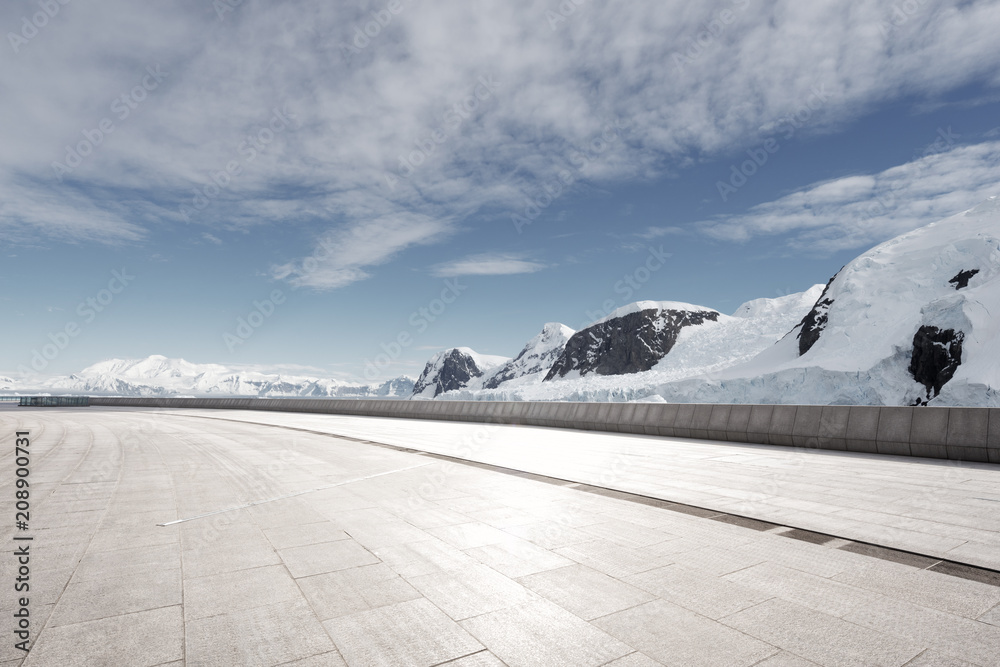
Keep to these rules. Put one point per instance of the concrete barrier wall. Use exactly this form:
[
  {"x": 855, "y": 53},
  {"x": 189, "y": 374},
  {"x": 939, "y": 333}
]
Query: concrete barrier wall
[{"x": 962, "y": 434}]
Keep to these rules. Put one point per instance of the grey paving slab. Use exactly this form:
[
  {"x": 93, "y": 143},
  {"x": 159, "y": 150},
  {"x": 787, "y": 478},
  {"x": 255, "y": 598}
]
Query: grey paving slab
[
  {"x": 114, "y": 596},
  {"x": 284, "y": 537},
  {"x": 416, "y": 558},
  {"x": 142, "y": 639},
  {"x": 39, "y": 615},
  {"x": 127, "y": 562},
  {"x": 267, "y": 635},
  {"x": 822, "y": 638},
  {"x": 931, "y": 658},
  {"x": 469, "y": 535},
  {"x": 311, "y": 559},
  {"x": 948, "y": 634},
  {"x": 48, "y": 586},
  {"x": 696, "y": 591},
  {"x": 992, "y": 616},
  {"x": 515, "y": 557},
  {"x": 502, "y": 517},
  {"x": 358, "y": 589},
  {"x": 673, "y": 635},
  {"x": 785, "y": 659},
  {"x": 719, "y": 561},
  {"x": 429, "y": 516},
  {"x": 808, "y": 590},
  {"x": 481, "y": 659},
  {"x": 385, "y": 533},
  {"x": 925, "y": 588},
  {"x": 627, "y": 534},
  {"x": 613, "y": 559},
  {"x": 328, "y": 659},
  {"x": 541, "y": 633},
  {"x": 634, "y": 660},
  {"x": 549, "y": 534},
  {"x": 585, "y": 592},
  {"x": 470, "y": 591},
  {"x": 408, "y": 633},
  {"x": 238, "y": 591},
  {"x": 223, "y": 555}
]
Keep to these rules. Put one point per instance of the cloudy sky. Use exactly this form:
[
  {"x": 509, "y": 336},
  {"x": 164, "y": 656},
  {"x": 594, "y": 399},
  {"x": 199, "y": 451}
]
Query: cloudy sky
[{"x": 459, "y": 173}]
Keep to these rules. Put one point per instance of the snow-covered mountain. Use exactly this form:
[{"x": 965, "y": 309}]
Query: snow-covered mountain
[
  {"x": 718, "y": 342},
  {"x": 913, "y": 320},
  {"x": 537, "y": 356},
  {"x": 160, "y": 376},
  {"x": 456, "y": 368},
  {"x": 632, "y": 339}
]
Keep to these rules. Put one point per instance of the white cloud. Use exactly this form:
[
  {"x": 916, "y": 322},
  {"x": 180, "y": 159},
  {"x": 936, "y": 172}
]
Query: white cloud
[
  {"x": 659, "y": 232},
  {"x": 342, "y": 255},
  {"x": 355, "y": 118},
  {"x": 857, "y": 211},
  {"x": 488, "y": 264}
]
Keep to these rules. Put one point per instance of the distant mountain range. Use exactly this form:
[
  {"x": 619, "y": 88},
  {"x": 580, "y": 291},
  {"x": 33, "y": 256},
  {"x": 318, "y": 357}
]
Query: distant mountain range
[
  {"x": 160, "y": 376},
  {"x": 914, "y": 321}
]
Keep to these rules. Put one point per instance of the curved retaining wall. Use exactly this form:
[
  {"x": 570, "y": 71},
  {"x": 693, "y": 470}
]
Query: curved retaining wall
[{"x": 963, "y": 434}]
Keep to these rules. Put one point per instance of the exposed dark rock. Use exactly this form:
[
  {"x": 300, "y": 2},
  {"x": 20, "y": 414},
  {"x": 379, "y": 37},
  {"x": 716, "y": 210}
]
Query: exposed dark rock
[
  {"x": 937, "y": 354},
  {"x": 631, "y": 343},
  {"x": 447, "y": 374},
  {"x": 961, "y": 281},
  {"x": 814, "y": 322}
]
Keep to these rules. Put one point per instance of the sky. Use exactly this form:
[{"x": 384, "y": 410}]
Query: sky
[{"x": 343, "y": 189}]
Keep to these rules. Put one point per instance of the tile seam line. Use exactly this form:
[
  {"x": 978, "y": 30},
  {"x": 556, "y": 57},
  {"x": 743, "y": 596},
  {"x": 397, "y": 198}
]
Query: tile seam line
[{"x": 581, "y": 486}]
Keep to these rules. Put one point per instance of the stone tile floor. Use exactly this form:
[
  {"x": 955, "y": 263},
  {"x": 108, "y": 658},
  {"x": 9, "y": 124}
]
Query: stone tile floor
[{"x": 366, "y": 555}]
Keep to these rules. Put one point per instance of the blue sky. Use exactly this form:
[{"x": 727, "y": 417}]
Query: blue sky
[{"x": 267, "y": 147}]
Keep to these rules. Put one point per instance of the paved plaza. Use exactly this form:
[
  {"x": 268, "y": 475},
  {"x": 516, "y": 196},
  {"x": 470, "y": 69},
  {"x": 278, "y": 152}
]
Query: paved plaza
[{"x": 190, "y": 537}]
